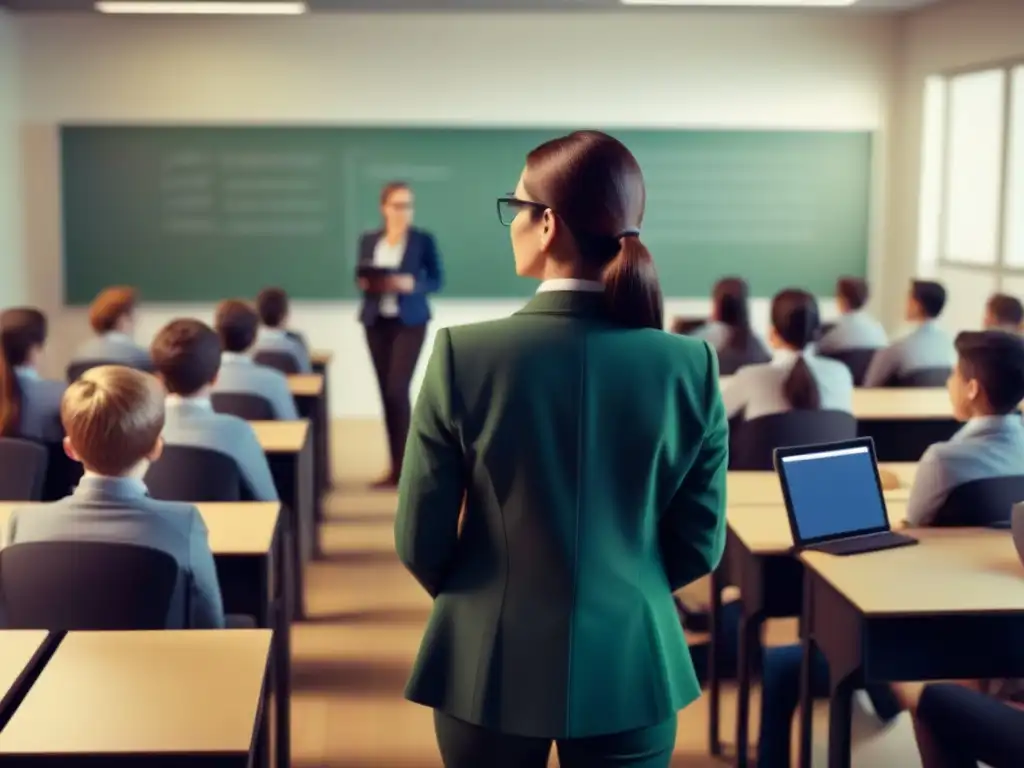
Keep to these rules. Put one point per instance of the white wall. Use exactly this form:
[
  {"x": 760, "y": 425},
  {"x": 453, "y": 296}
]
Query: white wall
[
  {"x": 728, "y": 69},
  {"x": 951, "y": 35},
  {"x": 12, "y": 289}
]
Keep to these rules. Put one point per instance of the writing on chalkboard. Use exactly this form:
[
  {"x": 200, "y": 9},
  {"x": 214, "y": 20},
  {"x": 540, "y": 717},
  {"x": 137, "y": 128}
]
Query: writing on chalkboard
[{"x": 244, "y": 194}]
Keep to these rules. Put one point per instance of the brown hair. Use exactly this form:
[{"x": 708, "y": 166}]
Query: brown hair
[
  {"x": 996, "y": 360},
  {"x": 272, "y": 306},
  {"x": 390, "y": 188},
  {"x": 21, "y": 330},
  {"x": 930, "y": 296},
  {"x": 113, "y": 417},
  {"x": 110, "y": 306},
  {"x": 796, "y": 320},
  {"x": 1006, "y": 309},
  {"x": 594, "y": 184},
  {"x": 731, "y": 298},
  {"x": 236, "y": 323},
  {"x": 854, "y": 291},
  {"x": 186, "y": 354}
]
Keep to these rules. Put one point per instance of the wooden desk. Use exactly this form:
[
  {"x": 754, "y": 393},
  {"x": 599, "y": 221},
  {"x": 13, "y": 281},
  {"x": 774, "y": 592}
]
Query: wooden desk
[
  {"x": 951, "y": 608},
  {"x": 251, "y": 555},
  {"x": 143, "y": 699},
  {"x": 311, "y": 401},
  {"x": 289, "y": 450},
  {"x": 23, "y": 652},
  {"x": 321, "y": 358},
  {"x": 764, "y": 488},
  {"x": 759, "y": 560}
]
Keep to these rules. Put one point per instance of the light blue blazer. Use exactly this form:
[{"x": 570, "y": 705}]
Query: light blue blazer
[
  {"x": 854, "y": 330},
  {"x": 276, "y": 340},
  {"x": 991, "y": 446},
  {"x": 118, "y": 510},
  {"x": 240, "y": 375},
  {"x": 40, "y": 406},
  {"x": 193, "y": 422},
  {"x": 116, "y": 348},
  {"x": 756, "y": 390},
  {"x": 928, "y": 346}
]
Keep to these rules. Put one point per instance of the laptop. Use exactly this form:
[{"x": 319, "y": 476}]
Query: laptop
[{"x": 834, "y": 498}]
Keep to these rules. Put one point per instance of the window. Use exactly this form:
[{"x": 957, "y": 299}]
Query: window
[{"x": 1015, "y": 175}]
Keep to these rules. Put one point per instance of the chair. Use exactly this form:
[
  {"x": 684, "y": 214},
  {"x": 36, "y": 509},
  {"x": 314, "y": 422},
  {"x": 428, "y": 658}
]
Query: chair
[
  {"x": 285, "y": 362},
  {"x": 187, "y": 473},
  {"x": 731, "y": 360},
  {"x": 243, "y": 405},
  {"x": 62, "y": 473},
  {"x": 85, "y": 585},
  {"x": 22, "y": 469},
  {"x": 857, "y": 360},
  {"x": 756, "y": 440},
  {"x": 922, "y": 377},
  {"x": 295, "y": 336},
  {"x": 985, "y": 502}
]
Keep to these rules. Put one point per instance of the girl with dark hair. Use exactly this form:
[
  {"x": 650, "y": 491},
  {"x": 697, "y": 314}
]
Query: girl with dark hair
[
  {"x": 29, "y": 404},
  {"x": 729, "y": 330},
  {"x": 565, "y": 473},
  {"x": 795, "y": 379}
]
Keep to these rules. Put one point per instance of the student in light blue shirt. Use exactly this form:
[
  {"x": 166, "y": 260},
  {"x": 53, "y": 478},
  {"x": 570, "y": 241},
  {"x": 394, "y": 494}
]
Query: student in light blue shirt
[
  {"x": 795, "y": 379},
  {"x": 855, "y": 328},
  {"x": 236, "y": 323},
  {"x": 112, "y": 317},
  {"x": 114, "y": 416},
  {"x": 926, "y": 347},
  {"x": 29, "y": 404},
  {"x": 729, "y": 330},
  {"x": 1004, "y": 313},
  {"x": 273, "y": 336},
  {"x": 186, "y": 354}
]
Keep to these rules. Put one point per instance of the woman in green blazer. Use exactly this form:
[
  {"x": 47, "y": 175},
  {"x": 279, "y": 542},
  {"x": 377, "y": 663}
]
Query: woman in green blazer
[{"x": 564, "y": 474}]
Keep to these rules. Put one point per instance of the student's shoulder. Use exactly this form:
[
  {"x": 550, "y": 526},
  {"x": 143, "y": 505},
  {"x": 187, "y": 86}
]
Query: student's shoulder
[
  {"x": 180, "y": 513},
  {"x": 834, "y": 368}
]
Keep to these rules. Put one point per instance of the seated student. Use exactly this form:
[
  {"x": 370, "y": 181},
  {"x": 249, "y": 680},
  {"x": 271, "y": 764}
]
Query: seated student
[
  {"x": 112, "y": 317},
  {"x": 855, "y": 328},
  {"x": 1004, "y": 313},
  {"x": 796, "y": 379},
  {"x": 236, "y": 324},
  {"x": 113, "y": 417},
  {"x": 986, "y": 387},
  {"x": 29, "y": 404},
  {"x": 186, "y": 355},
  {"x": 729, "y": 331},
  {"x": 272, "y": 306},
  {"x": 928, "y": 346}
]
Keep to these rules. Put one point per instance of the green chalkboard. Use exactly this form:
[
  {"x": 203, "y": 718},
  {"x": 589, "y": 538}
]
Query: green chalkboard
[{"x": 200, "y": 213}]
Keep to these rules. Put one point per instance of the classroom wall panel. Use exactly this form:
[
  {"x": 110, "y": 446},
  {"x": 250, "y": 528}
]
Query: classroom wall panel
[
  {"x": 12, "y": 288},
  {"x": 650, "y": 70}
]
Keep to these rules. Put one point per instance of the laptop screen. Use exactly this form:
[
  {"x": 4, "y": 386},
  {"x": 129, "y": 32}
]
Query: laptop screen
[{"x": 833, "y": 493}]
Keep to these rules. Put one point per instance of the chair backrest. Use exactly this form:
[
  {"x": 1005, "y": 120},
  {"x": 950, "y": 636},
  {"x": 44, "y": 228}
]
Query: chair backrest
[
  {"x": 857, "y": 360},
  {"x": 731, "y": 360},
  {"x": 922, "y": 377},
  {"x": 85, "y": 585},
  {"x": 756, "y": 439},
  {"x": 243, "y": 405},
  {"x": 62, "y": 473},
  {"x": 282, "y": 361},
  {"x": 985, "y": 502},
  {"x": 22, "y": 469},
  {"x": 187, "y": 473}
]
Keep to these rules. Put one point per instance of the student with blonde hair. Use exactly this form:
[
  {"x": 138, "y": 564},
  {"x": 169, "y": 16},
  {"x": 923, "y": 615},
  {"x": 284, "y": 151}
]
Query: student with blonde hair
[{"x": 113, "y": 417}]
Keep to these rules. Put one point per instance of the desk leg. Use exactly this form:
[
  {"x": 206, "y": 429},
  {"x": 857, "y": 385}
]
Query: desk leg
[
  {"x": 806, "y": 710},
  {"x": 282, "y": 656},
  {"x": 749, "y": 651},
  {"x": 325, "y": 405},
  {"x": 714, "y": 663},
  {"x": 840, "y": 713}
]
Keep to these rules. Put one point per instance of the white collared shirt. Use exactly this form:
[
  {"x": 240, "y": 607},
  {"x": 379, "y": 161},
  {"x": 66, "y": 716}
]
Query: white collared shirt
[
  {"x": 571, "y": 284},
  {"x": 388, "y": 256},
  {"x": 201, "y": 402},
  {"x": 119, "y": 337},
  {"x": 234, "y": 357},
  {"x": 27, "y": 371}
]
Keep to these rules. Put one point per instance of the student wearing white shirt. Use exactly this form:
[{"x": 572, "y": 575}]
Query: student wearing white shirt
[
  {"x": 29, "y": 404},
  {"x": 855, "y": 328},
  {"x": 729, "y": 330},
  {"x": 274, "y": 336},
  {"x": 395, "y": 310},
  {"x": 112, "y": 317}
]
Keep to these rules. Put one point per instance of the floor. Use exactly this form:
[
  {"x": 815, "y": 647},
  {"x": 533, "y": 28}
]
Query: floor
[{"x": 352, "y": 655}]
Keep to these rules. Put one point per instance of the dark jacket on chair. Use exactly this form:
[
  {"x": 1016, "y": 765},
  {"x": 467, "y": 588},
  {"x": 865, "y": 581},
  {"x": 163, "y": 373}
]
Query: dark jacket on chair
[{"x": 590, "y": 461}]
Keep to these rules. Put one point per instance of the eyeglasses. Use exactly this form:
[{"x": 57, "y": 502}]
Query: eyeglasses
[{"x": 509, "y": 208}]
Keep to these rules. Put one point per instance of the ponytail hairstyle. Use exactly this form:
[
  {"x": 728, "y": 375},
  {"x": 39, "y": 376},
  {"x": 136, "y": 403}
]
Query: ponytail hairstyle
[
  {"x": 731, "y": 300},
  {"x": 21, "y": 330},
  {"x": 796, "y": 320},
  {"x": 595, "y": 186}
]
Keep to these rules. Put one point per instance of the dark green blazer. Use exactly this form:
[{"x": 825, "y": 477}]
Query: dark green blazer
[{"x": 591, "y": 460}]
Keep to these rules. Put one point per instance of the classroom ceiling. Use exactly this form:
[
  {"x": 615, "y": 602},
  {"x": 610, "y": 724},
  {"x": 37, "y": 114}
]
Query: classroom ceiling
[{"x": 37, "y": 6}]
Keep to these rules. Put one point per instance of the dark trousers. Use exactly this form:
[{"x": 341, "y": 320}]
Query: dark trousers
[
  {"x": 394, "y": 349},
  {"x": 469, "y": 746},
  {"x": 970, "y": 727}
]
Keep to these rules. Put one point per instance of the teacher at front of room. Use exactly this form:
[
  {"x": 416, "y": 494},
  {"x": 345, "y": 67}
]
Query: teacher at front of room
[{"x": 395, "y": 310}]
